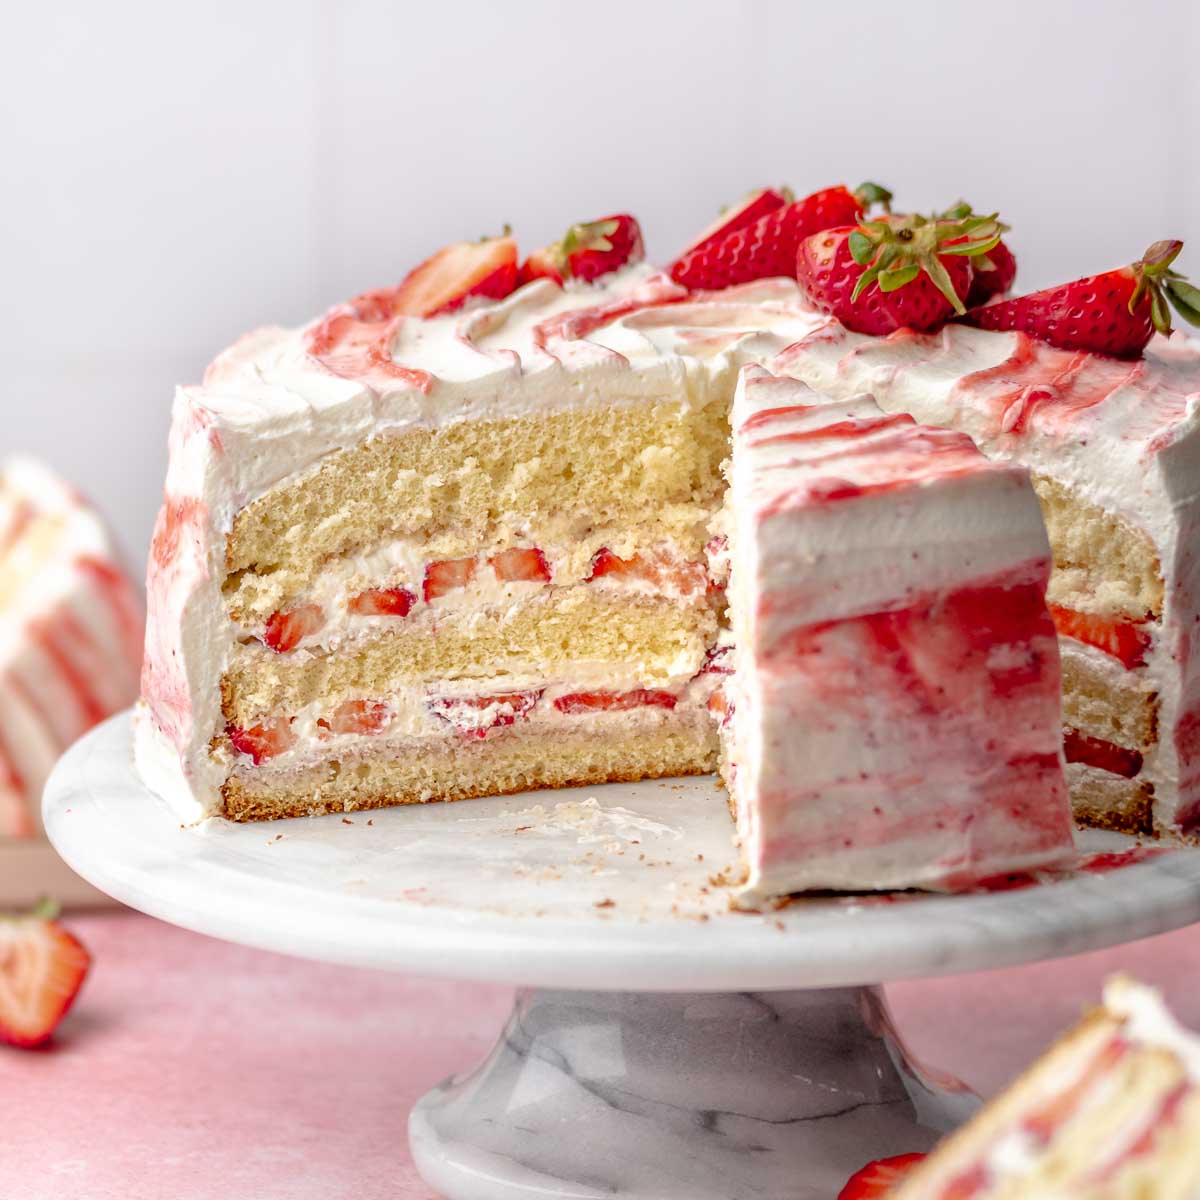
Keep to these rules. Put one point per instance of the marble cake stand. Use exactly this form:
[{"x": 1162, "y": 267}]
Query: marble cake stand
[{"x": 661, "y": 1047}]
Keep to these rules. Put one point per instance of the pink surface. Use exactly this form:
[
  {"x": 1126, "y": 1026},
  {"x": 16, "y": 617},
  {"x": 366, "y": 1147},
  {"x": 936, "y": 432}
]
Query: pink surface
[{"x": 203, "y": 1071}]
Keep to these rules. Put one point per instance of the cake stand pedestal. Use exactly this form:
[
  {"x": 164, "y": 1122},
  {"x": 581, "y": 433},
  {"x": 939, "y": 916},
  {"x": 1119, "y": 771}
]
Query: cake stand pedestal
[{"x": 662, "y": 1047}]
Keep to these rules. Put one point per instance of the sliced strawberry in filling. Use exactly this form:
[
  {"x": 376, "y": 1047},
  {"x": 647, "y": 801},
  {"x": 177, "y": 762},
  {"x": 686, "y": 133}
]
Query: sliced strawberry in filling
[
  {"x": 584, "y": 702},
  {"x": 686, "y": 577},
  {"x": 382, "y": 602},
  {"x": 447, "y": 575},
  {"x": 358, "y": 716},
  {"x": 1095, "y": 752},
  {"x": 264, "y": 740},
  {"x": 286, "y": 630},
  {"x": 520, "y": 566},
  {"x": 1123, "y": 640},
  {"x": 476, "y": 715}
]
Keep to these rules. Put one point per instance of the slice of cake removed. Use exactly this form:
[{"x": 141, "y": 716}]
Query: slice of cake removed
[
  {"x": 70, "y": 633},
  {"x": 1112, "y": 1112},
  {"x": 892, "y": 719}
]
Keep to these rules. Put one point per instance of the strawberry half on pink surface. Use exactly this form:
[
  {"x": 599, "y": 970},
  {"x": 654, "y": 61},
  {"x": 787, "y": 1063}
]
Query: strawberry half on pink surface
[
  {"x": 446, "y": 280},
  {"x": 1114, "y": 313},
  {"x": 766, "y": 248},
  {"x": 42, "y": 968},
  {"x": 587, "y": 251},
  {"x": 895, "y": 272},
  {"x": 877, "y": 1179}
]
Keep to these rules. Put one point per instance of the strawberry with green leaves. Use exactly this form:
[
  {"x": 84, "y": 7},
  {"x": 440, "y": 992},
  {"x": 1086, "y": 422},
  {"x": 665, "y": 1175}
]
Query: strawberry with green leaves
[
  {"x": 894, "y": 272},
  {"x": 766, "y": 246},
  {"x": 587, "y": 251},
  {"x": 994, "y": 271},
  {"x": 1114, "y": 313}
]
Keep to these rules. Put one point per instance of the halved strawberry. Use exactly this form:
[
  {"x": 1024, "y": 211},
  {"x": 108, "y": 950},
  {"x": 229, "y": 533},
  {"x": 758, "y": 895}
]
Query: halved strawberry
[
  {"x": 718, "y": 705},
  {"x": 660, "y": 572},
  {"x": 446, "y": 575},
  {"x": 583, "y": 702},
  {"x": 263, "y": 741},
  {"x": 766, "y": 247},
  {"x": 737, "y": 216},
  {"x": 1113, "y": 313},
  {"x": 520, "y": 566},
  {"x": 878, "y": 1178},
  {"x": 42, "y": 968},
  {"x": 898, "y": 271},
  {"x": 587, "y": 251},
  {"x": 382, "y": 602},
  {"x": 1123, "y": 640},
  {"x": 1096, "y": 752},
  {"x": 476, "y": 715},
  {"x": 358, "y": 716},
  {"x": 444, "y": 281},
  {"x": 285, "y": 630}
]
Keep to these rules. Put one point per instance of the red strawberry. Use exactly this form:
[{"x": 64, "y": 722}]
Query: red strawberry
[
  {"x": 358, "y": 716},
  {"x": 587, "y": 251},
  {"x": 877, "y": 1179},
  {"x": 382, "y": 602},
  {"x": 1114, "y": 313},
  {"x": 994, "y": 271},
  {"x": 443, "y": 282},
  {"x": 1124, "y": 640},
  {"x": 264, "y": 740},
  {"x": 1116, "y": 760},
  {"x": 446, "y": 575},
  {"x": 749, "y": 209},
  {"x": 767, "y": 247},
  {"x": 883, "y": 275},
  {"x": 42, "y": 968},
  {"x": 476, "y": 715},
  {"x": 687, "y": 577},
  {"x": 583, "y": 702},
  {"x": 285, "y": 630},
  {"x": 520, "y": 566}
]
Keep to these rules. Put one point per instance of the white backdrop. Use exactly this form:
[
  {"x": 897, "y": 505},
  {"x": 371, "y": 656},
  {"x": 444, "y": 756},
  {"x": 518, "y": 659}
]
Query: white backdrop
[{"x": 174, "y": 178}]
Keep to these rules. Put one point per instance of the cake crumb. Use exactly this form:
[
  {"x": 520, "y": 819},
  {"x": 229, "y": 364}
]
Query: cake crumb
[
  {"x": 606, "y": 903},
  {"x": 370, "y": 820},
  {"x": 522, "y": 828},
  {"x": 347, "y": 821}
]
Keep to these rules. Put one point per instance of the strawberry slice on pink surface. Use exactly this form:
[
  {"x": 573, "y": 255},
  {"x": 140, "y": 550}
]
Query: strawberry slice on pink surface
[
  {"x": 263, "y": 741},
  {"x": 878, "y": 1178},
  {"x": 585, "y": 702},
  {"x": 587, "y": 251},
  {"x": 358, "y": 717},
  {"x": 766, "y": 247},
  {"x": 382, "y": 602},
  {"x": 444, "y": 281},
  {"x": 42, "y": 968},
  {"x": 447, "y": 575},
  {"x": 1113, "y": 313},
  {"x": 520, "y": 566},
  {"x": 286, "y": 630}
]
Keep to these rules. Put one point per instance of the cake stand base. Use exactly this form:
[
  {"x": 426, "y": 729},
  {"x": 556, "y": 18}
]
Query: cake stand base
[{"x": 741, "y": 1096}]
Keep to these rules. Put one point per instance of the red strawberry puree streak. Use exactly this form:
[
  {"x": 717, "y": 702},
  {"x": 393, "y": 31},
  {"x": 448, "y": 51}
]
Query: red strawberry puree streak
[{"x": 937, "y": 653}]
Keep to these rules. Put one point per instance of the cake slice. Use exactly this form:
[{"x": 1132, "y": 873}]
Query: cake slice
[
  {"x": 892, "y": 719},
  {"x": 70, "y": 633},
  {"x": 1114, "y": 450},
  {"x": 1112, "y": 1112}
]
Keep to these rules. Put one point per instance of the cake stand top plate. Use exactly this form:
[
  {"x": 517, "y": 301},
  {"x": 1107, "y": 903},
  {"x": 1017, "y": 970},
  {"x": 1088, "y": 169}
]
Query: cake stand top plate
[{"x": 607, "y": 888}]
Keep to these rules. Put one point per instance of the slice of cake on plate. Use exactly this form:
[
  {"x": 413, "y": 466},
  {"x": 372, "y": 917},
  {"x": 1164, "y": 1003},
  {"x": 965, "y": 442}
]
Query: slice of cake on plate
[
  {"x": 892, "y": 719},
  {"x": 70, "y": 646},
  {"x": 1111, "y": 1112}
]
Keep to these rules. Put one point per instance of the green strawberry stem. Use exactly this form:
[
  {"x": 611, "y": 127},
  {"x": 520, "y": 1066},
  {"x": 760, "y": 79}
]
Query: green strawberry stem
[
  {"x": 1166, "y": 288},
  {"x": 895, "y": 250}
]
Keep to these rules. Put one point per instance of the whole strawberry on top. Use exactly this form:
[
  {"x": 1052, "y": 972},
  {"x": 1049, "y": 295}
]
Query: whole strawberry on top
[
  {"x": 587, "y": 251},
  {"x": 42, "y": 968},
  {"x": 1114, "y": 313},
  {"x": 994, "y": 271},
  {"x": 748, "y": 244},
  {"x": 894, "y": 272}
]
